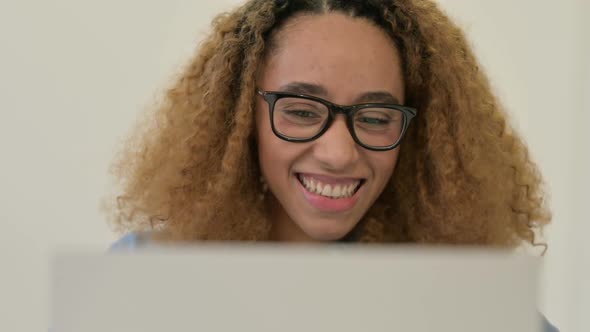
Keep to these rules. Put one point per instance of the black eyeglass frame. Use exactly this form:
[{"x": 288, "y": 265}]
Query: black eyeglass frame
[{"x": 271, "y": 97}]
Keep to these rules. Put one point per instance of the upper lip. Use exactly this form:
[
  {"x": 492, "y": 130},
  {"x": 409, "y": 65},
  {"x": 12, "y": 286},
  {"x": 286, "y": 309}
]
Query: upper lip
[{"x": 327, "y": 179}]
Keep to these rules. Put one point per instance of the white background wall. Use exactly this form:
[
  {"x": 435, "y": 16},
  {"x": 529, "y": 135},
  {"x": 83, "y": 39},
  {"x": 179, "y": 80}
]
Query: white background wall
[{"x": 74, "y": 75}]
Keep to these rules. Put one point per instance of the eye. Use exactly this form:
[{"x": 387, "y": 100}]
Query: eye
[
  {"x": 373, "y": 120},
  {"x": 302, "y": 113},
  {"x": 374, "y": 117}
]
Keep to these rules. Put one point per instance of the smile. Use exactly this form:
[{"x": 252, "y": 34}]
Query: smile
[{"x": 339, "y": 190}]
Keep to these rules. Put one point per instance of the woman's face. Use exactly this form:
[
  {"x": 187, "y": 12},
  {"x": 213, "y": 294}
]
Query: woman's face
[{"x": 346, "y": 61}]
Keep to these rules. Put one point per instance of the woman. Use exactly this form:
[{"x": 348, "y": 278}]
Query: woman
[{"x": 309, "y": 120}]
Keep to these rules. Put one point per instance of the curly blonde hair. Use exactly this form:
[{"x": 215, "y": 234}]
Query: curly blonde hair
[{"x": 463, "y": 175}]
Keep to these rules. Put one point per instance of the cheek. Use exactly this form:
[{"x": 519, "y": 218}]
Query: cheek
[{"x": 383, "y": 163}]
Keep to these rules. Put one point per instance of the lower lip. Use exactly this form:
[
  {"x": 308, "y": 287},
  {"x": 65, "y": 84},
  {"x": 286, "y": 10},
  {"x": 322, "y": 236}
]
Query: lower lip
[{"x": 329, "y": 204}]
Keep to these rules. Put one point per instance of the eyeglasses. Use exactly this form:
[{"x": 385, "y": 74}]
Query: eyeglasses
[{"x": 302, "y": 118}]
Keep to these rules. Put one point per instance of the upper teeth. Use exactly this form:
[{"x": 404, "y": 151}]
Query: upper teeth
[{"x": 329, "y": 190}]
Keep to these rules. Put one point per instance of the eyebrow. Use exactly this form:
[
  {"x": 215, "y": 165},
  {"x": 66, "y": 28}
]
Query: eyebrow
[
  {"x": 377, "y": 97},
  {"x": 320, "y": 91},
  {"x": 305, "y": 89}
]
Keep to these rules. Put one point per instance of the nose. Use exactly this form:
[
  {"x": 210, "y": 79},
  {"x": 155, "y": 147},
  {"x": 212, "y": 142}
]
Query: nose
[{"x": 336, "y": 150}]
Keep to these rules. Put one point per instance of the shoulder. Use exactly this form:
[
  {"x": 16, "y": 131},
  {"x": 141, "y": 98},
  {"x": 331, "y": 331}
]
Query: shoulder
[{"x": 131, "y": 241}]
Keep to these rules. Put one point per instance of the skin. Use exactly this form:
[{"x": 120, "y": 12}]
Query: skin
[{"x": 348, "y": 61}]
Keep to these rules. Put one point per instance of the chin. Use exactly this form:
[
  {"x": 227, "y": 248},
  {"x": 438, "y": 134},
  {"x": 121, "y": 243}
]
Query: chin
[{"x": 326, "y": 234}]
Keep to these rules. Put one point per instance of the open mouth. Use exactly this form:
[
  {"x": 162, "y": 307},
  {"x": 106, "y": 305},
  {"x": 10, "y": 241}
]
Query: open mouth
[{"x": 333, "y": 191}]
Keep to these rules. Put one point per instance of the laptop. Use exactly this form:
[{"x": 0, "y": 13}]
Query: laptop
[{"x": 265, "y": 288}]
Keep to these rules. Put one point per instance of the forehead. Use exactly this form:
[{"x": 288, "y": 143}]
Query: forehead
[{"x": 345, "y": 55}]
